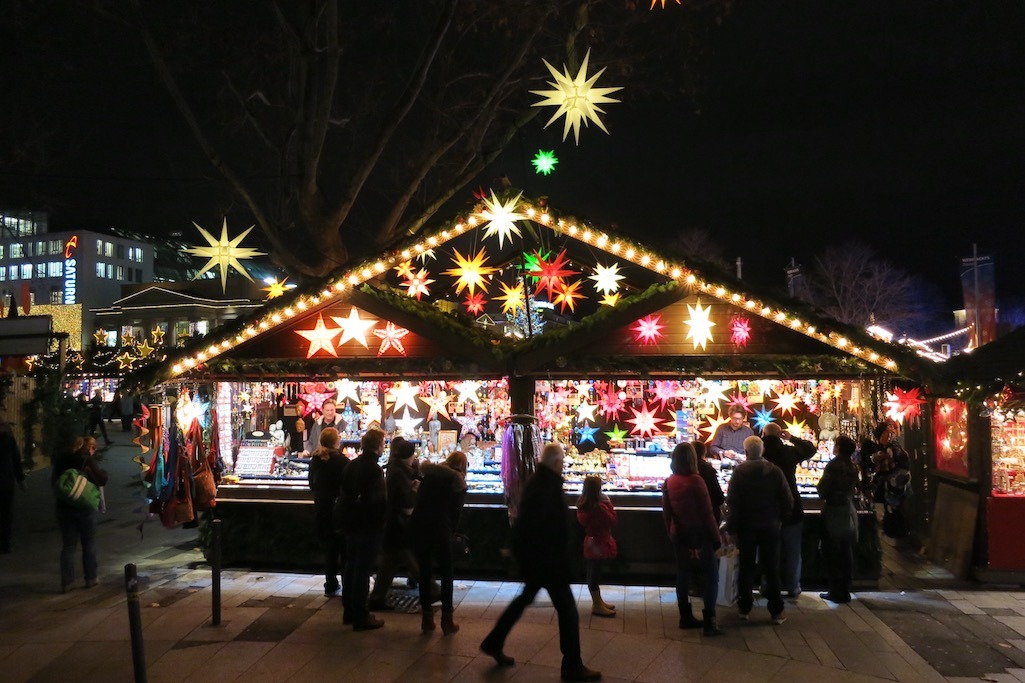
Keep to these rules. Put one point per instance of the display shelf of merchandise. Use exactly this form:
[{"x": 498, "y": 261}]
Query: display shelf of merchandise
[{"x": 1008, "y": 438}]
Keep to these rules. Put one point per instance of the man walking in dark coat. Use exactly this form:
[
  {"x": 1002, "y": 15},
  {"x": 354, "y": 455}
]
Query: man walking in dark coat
[
  {"x": 541, "y": 536},
  {"x": 11, "y": 475},
  {"x": 758, "y": 500},
  {"x": 787, "y": 455}
]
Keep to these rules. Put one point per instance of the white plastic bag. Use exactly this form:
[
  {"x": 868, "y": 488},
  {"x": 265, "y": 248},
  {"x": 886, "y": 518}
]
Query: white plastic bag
[{"x": 728, "y": 570}]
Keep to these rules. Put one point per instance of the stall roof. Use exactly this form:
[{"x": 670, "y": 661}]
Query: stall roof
[
  {"x": 990, "y": 368},
  {"x": 559, "y": 291}
]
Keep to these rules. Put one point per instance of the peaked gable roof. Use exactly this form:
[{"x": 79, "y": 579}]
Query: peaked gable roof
[{"x": 486, "y": 261}]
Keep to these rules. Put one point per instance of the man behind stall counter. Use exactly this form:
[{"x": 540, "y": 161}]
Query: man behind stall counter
[
  {"x": 330, "y": 418},
  {"x": 728, "y": 442}
]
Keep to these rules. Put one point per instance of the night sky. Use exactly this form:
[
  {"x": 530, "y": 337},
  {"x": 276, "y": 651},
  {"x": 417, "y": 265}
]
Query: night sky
[{"x": 896, "y": 124}]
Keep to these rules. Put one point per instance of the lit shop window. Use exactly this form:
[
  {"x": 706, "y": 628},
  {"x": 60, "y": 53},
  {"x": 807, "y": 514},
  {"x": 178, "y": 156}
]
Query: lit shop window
[
  {"x": 17, "y": 250},
  {"x": 100, "y": 270},
  {"x": 26, "y": 271},
  {"x": 40, "y": 270},
  {"x": 55, "y": 269}
]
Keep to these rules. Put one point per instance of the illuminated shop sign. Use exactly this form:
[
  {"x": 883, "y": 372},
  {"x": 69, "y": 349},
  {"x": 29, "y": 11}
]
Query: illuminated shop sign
[{"x": 71, "y": 271}]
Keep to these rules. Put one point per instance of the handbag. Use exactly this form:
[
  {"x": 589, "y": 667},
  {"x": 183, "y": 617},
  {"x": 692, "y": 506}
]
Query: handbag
[
  {"x": 202, "y": 475},
  {"x": 72, "y": 487},
  {"x": 841, "y": 521}
]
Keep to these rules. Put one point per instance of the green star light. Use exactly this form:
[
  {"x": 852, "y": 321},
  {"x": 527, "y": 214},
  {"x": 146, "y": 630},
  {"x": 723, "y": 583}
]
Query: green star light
[{"x": 544, "y": 162}]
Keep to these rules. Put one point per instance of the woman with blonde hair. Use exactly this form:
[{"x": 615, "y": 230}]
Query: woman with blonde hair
[{"x": 598, "y": 517}]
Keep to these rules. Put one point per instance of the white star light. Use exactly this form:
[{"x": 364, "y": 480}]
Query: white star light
[
  {"x": 347, "y": 390},
  {"x": 585, "y": 412},
  {"x": 354, "y": 327},
  {"x": 467, "y": 392},
  {"x": 224, "y": 253},
  {"x": 500, "y": 218},
  {"x": 576, "y": 98},
  {"x": 606, "y": 279},
  {"x": 700, "y": 331},
  {"x": 406, "y": 424},
  {"x": 403, "y": 394}
]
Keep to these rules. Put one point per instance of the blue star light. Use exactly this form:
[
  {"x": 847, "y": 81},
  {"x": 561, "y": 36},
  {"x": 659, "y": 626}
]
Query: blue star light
[
  {"x": 762, "y": 418},
  {"x": 587, "y": 434}
]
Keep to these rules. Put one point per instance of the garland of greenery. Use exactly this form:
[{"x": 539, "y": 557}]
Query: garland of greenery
[{"x": 60, "y": 418}]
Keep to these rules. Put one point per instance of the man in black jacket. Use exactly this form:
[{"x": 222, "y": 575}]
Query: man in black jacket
[
  {"x": 362, "y": 513},
  {"x": 541, "y": 538},
  {"x": 787, "y": 455}
]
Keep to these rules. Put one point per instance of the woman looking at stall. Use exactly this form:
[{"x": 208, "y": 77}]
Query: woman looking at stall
[
  {"x": 326, "y": 466},
  {"x": 439, "y": 502},
  {"x": 597, "y": 515}
]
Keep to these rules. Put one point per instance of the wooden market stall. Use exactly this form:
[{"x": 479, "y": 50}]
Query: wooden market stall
[{"x": 513, "y": 314}]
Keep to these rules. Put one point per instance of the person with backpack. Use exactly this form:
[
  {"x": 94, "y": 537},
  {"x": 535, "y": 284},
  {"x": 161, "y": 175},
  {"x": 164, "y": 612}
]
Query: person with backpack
[{"x": 78, "y": 523}]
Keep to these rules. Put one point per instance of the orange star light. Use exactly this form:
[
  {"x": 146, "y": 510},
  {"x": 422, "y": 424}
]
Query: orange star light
[
  {"x": 512, "y": 298},
  {"x": 713, "y": 424},
  {"x": 391, "y": 338},
  {"x": 470, "y": 273},
  {"x": 320, "y": 337},
  {"x": 567, "y": 295},
  {"x": 405, "y": 269}
]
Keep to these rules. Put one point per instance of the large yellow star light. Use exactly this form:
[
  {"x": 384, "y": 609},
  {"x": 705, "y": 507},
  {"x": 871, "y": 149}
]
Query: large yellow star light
[
  {"x": 157, "y": 334},
  {"x": 100, "y": 336},
  {"x": 796, "y": 428},
  {"x": 145, "y": 349},
  {"x": 275, "y": 289},
  {"x": 714, "y": 422},
  {"x": 354, "y": 327},
  {"x": 786, "y": 403},
  {"x": 576, "y": 98},
  {"x": 512, "y": 298},
  {"x": 320, "y": 338},
  {"x": 700, "y": 331},
  {"x": 224, "y": 253},
  {"x": 606, "y": 278},
  {"x": 501, "y": 218},
  {"x": 471, "y": 273}
]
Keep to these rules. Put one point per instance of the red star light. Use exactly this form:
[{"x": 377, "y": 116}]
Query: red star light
[
  {"x": 648, "y": 329},
  {"x": 391, "y": 338},
  {"x": 549, "y": 275},
  {"x": 475, "y": 303},
  {"x": 740, "y": 328}
]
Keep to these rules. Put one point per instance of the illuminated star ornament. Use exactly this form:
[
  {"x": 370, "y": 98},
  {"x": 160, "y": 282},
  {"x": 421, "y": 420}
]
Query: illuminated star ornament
[
  {"x": 616, "y": 434},
  {"x": 391, "y": 338},
  {"x": 655, "y": 2},
  {"x": 501, "y": 218},
  {"x": 470, "y": 273},
  {"x": 320, "y": 337},
  {"x": 544, "y": 162},
  {"x": 606, "y": 278},
  {"x": 567, "y": 295},
  {"x": 796, "y": 428},
  {"x": 125, "y": 360},
  {"x": 403, "y": 394},
  {"x": 739, "y": 400},
  {"x": 586, "y": 433},
  {"x": 700, "y": 325},
  {"x": 156, "y": 334},
  {"x": 532, "y": 263},
  {"x": 610, "y": 299},
  {"x": 407, "y": 424},
  {"x": 100, "y": 336},
  {"x": 585, "y": 411},
  {"x": 437, "y": 405},
  {"x": 347, "y": 390},
  {"x": 576, "y": 98},
  {"x": 762, "y": 418},
  {"x": 127, "y": 339},
  {"x": 740, "y": 330},
  {"x": 354, "y": 328},
  {"x": 550, "y": 274},
  {"x": 224, "y": 253},
  {"x": 786, "y": 403},
  {"x": 467, "y": 392},
  {"x": 475, "y": 303},
  {"x": 416, "y": 284},
  {"x": 903, "y": 405},
  {"x": 648, "y": 329},
  {"x": 145, "y": 349},
  {"x": 512, "y": 298},
  {"x": 713, "y": 424},
  {"x": 275, "y": 289},
  {"x": 405, "y": 269},
  {"x": 643, "y": 421},
  {"x": 610, "y": 403}
]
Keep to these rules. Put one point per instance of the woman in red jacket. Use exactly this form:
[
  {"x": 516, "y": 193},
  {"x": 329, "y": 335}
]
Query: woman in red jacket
[
  {"x": 596, "y": 514},
  {"x": 687, "y": 510}
]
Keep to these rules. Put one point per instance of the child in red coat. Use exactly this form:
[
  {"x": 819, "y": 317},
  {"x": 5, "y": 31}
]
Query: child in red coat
[{"x": 596, "y": 514}]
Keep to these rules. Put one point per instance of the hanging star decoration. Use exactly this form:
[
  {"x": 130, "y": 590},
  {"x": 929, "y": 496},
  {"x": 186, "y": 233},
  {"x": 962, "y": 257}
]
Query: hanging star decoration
[
  {"x": 576, "y": 98},
  {"x": 616, "y": 435},
  {"x": 320, "y": 337},
  {"x": 550, "y": 274},
  {"x": 714, "y": 422},
  {"x": 354, "y": 328},
  {"x": 391, "y": 338},
  {"x": 437, "y": 405},
  {"x": 610, "y": 404},
  {"x": 100, "y": 336},
  {"x": 402, "y": 394},
  {"x": 157, "y": 335},
  {"x": 125, "y": 360},
  {"x": 740, "y": 401},
  {"x": 371, "y": 413},
  {"x": 655, "y": 2},
  {"x": 903, "y": 405},
  {"x": 567, "y": 295},
  {"x": 610, "y": 299},
  {"x": 475, "y": 303},
  {"x": 762, "y": 418},
  {"x": 469, "y": 424},
  {"x": 796, "y": 428},
  {"x": 145, "y": 349},
  {"x": 501, "y": 218},
  {"x": 416, "y": 284},
  {"x": 275, "y": 289},
  {"x": 740, "y": 330},
  {"x": 467, "y": 392},
  {"x": 700, "y": 325},
  {"x": 347, "y": 390},
  {"x": 405, "y": 269},
  {"x": 666, "y": 392},
  {"x": 585, "y": 411},
  {"x": 224, "y": 253},
  {"x": 544, "y": 162},
  {"x": 470, "y": 273},
  {"x": 512, "y": 298},
  {"x": 532, "y": 263},
  {"x": 313, "y": 395},
  {"x": 407, "y": 424},
  {"x": 786, "y": 402},
  {"x": 127, "y": 339},
  {"x": 648, "y": 329},
  {"x": 606, "y": 278},
  {"x": 643, "y": 421},
  {"x": 586, "y": 434}
]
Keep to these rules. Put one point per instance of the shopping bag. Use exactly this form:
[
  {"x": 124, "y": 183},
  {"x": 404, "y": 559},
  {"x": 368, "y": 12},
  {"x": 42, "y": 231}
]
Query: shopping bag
[
  {"x": 74, "y": 489},
  {"x": 727, "y": 595}
]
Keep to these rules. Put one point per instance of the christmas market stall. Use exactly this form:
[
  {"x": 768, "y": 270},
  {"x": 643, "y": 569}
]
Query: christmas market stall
[{"x": 512, "y": 325}]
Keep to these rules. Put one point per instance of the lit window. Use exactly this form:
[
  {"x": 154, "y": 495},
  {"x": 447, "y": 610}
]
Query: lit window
[
  {"x": 100, "y": 270},
  {"x": 120, "y": 273},
  {"x": 26, "y": 271},
  {"x": 17, "y": 250},
  {"x": 3, "y": 273},
  {"x": 55, "y": 269},
  {"x": 110, "y": 271},
  {"x": 56, "y": 296},
  {"x": 14, "y": 272},
  {"x": 32, "y": 297},
  {"x": 40, "y": 270},
  {"x": 40, "y": 248},
  {"x": 56, "y": 247},
  {"x": 1, "y": 252},
  {"x": 108, "y": 249},
  {"x": 99, "y": 247}
]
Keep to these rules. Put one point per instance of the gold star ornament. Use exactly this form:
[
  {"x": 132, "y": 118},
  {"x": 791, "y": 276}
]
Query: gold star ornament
[
  {"x": 100, "y": 336},
  {"x": 576, "y": 98},
  {"x": 145, "y": 349},
  {"x": 157, "y": 335},
  {"x": 224, "y": 253}
]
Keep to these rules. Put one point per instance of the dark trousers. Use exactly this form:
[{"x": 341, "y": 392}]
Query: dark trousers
[
  {"x": 759, "y": 544},
  {"x": 96, "y": 420},
  {"x": 6, "y": 515},
  {"x": 360, "y": 552},
  {"x": 839, "y": 556},
  {"x": 565, "y": 607},
  {"x": 76, "y": 525},
  {"x": 331, "y": 544},
  {"x": 706, "y": 564},
  {"x": 435, "y": 549}
]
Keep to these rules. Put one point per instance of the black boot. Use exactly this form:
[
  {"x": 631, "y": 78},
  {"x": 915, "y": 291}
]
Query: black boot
[
  {"x": 711, "y": 628},
  {"x": 687, "y": 619}
]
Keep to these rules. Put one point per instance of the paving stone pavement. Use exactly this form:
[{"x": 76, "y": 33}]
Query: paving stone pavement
[{"x": 920, "y": 626}]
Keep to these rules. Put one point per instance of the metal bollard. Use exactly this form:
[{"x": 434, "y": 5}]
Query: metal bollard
[
  {"x": 135, "y": 623},
  {"x": 215, "y": 569}
]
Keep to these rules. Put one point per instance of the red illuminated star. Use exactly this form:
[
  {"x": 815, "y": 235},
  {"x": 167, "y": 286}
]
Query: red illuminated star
[{"x": 649, "y": 329}]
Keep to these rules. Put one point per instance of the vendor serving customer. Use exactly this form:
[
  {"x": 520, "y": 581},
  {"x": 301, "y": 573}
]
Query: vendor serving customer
[{"x": 728, "y": 442}]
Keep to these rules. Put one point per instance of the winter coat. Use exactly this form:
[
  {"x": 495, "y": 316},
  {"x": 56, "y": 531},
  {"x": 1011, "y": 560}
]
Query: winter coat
[
  {"x": 439, "y": 503},
  {"x": 758, "y": 497},
  {"x": 361, "y": 500},
  {"x": 326, "y": 468},
  {"x": 541, "y": 533},
  {"x": 787, "y": 457},
  {"x": 598, "y": 522},
  {"x": 687, "y": 511}
]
